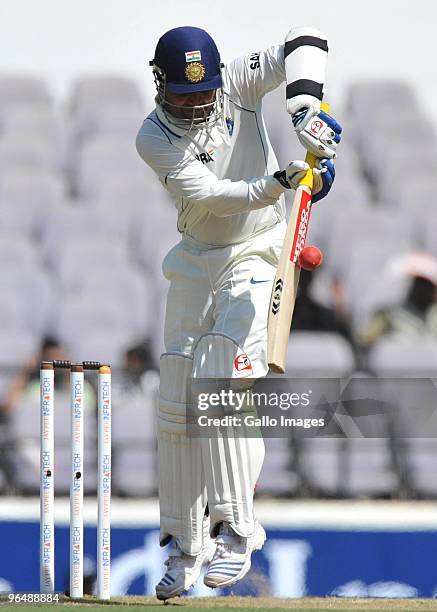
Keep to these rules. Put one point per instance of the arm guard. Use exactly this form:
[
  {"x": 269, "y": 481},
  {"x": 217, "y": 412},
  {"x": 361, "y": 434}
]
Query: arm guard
[{"x": 305, "y": 53}]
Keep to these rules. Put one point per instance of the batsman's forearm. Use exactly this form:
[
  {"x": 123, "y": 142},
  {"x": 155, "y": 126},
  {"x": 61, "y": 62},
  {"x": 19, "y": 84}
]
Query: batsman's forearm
[{"x": 224, "y": 197}]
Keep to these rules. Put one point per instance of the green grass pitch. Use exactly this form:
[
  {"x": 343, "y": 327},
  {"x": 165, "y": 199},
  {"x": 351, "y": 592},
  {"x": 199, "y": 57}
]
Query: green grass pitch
[{"x": 235, "y": 604}]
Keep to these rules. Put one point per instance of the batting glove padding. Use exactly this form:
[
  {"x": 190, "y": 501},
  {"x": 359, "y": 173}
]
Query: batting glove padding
[
  {"x": 323, "y": 177},
  {"x": 318, "y": 132},
  {"x": 292, "y": 175}
]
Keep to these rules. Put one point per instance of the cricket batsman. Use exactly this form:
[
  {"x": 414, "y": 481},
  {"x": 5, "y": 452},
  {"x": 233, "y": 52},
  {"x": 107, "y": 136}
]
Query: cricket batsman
[{"x": 207, "y": 142}]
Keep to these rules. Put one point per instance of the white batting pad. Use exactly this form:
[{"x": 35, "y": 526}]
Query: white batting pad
[
  {"x": 232, "y": 462},
  {"x": 181, "y": 481}
]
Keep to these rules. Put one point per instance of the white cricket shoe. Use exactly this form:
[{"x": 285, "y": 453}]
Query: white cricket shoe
[
  {"x": 183, "y": 570},
  {"x": 232, "y": 557}
]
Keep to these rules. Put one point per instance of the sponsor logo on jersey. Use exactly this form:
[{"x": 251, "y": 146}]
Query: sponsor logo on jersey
[
  {"x": 242, "y": 363},
  {"x": 193, "y": 56},
  {"x": 207, "y": 157},
  {"x": 254, "y": 61},
  {"x": 300, "y": 234}
]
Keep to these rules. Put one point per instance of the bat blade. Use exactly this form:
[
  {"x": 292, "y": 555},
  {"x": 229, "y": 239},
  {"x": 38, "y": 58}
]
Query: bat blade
[
  {"x": 287, "y": 275},
  {"x": 286, "y": 281}
]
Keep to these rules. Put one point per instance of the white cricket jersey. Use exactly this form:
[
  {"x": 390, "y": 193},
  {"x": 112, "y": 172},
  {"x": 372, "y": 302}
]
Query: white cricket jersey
[{"x": 221, "y": 176}]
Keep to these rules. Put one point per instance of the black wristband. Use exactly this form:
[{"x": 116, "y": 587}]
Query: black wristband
[{"x": 282, "y": 178}]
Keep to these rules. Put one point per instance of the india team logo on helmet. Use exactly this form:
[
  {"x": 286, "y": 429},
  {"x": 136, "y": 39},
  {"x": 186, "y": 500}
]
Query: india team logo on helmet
[
  {"x": 189, "y": 60},
  {"x": 193, "y": 56},
  {"x": 195, "y": 72}
]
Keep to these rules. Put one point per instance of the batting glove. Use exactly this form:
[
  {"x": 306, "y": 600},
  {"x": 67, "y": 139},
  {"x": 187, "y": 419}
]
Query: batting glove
[
  {"x": 292, "y": 175},
  {"x": 323, "y": 179},
  {"x": 317, "y": 131}
]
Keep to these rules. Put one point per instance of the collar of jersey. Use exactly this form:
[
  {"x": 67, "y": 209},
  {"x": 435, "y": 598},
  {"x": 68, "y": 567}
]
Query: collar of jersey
[{"x": 172, "y": 129}]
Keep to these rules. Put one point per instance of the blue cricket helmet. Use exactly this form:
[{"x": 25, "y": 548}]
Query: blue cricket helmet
[{"x": 189, "y": 59}]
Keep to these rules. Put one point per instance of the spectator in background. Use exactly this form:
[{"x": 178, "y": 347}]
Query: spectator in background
[
  {"x": 134, "y": 399},
  {"x": 136, "y": 386},
  {"x": 8, "y": 459},
  {"x": 22, "y": 405},
  {"x": 27, "y": 381},
  {"x": 139, "y": 371},
  {"x": 139, "y": 361},
  {"x": 417, "y": 315},
  {"x": 310, "y": 315}
]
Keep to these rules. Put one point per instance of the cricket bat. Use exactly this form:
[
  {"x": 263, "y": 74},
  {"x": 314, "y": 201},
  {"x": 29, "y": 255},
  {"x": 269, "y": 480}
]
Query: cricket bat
[{"x": 287, "y": 275}]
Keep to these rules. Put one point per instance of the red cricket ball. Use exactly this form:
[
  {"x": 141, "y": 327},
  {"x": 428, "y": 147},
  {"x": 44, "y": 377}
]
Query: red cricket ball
[{"x": 310, "y": 258}]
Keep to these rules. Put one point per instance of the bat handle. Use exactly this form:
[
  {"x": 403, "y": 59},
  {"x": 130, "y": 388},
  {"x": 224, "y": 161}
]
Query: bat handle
[{"x": 311, "y": 159}]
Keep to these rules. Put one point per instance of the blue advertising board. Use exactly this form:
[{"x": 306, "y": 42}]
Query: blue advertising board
[{"x": 293, "y": 563}]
